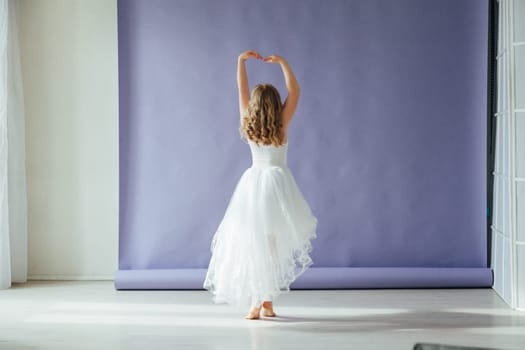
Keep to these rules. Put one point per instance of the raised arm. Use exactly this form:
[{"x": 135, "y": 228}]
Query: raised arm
[
  {"x": 290, "y": 104},
  {"x": 242, "y": 79}
]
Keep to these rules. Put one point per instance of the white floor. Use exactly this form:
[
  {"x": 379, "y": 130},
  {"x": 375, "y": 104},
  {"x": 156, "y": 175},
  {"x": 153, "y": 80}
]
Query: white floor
[{"x": 93, "y": 315}]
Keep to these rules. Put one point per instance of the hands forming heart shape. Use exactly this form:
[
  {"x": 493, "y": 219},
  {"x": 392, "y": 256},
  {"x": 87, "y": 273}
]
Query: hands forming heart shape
[{"x": 254, "y": 54}]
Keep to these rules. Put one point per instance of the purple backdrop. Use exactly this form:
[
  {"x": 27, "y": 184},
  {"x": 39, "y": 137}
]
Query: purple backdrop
[{"x": 388, "y": 143}]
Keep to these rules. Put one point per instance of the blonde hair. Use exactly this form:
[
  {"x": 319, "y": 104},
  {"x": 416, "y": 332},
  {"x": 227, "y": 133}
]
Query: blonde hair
[{"x": 261, "y": 121}]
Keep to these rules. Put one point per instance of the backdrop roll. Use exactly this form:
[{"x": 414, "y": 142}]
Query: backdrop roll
[{"x": 388, "y": 143}]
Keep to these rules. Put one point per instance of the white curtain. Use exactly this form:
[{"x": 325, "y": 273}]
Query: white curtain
[{"x": 13, "y": 198}]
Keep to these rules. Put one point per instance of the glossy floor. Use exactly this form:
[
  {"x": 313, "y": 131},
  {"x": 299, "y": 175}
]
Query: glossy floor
[{"x": 93, "y": 315}]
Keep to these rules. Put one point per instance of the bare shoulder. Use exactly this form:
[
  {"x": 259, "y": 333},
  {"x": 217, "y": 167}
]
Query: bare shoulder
[{"x": 284, "y": 133}]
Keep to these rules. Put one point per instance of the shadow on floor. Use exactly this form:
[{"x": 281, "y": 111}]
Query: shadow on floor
[{"x": 414, "y": 320}]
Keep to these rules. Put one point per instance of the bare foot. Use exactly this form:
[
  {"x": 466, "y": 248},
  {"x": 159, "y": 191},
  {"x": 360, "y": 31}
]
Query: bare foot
[
  {"x": 253, "y": 314},
  {"x": 268, "y": 309}
]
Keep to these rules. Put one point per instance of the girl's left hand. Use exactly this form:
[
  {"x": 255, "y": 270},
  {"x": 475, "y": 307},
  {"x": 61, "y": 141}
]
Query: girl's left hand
[{"x": 250, "y": 54}]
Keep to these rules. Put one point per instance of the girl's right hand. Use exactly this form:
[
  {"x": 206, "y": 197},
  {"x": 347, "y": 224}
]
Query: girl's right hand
[
  {"x": 274, "y": 59},
  {"x": 250, "y": 54}
]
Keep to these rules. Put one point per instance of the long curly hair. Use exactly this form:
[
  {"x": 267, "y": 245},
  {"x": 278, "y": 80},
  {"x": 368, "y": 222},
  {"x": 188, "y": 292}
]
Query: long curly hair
[{"x": 261, "y": 121}]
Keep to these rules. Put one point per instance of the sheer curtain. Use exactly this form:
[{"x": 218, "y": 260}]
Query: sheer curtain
[{"x": 13, "y": 199}]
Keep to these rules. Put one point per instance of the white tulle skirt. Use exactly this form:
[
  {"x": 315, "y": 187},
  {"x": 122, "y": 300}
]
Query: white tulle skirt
[{"x": 263, "y": 242}]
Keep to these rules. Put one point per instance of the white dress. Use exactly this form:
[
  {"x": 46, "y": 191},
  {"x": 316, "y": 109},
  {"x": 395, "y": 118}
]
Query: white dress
[{"x": 263, "y": 242}]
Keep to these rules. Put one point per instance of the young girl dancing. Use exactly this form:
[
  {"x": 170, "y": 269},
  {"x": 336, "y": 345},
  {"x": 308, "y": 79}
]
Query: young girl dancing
[{"x": 263, "y": 242}]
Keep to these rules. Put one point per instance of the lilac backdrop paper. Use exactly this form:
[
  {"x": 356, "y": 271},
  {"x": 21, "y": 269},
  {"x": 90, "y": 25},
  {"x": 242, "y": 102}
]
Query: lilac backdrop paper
[
  {"x": 387, "y": 145},
  {"x": 323, "y": 278}
]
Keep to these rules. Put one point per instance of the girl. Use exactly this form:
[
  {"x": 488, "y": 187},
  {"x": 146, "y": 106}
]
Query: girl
[{"x": 263, "y": 242}]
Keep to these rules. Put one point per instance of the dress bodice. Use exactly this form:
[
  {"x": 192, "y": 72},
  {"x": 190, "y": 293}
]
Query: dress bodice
[{"x": 268, "y": 155}]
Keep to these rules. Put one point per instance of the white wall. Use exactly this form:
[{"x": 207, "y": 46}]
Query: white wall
[
  {"x": 518, "y": 92},
  {"x": 508, "y": 225},
  {"x": 69, "y": 67},
  {"x": 501, "y": 261}
]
